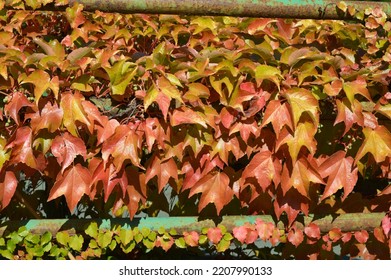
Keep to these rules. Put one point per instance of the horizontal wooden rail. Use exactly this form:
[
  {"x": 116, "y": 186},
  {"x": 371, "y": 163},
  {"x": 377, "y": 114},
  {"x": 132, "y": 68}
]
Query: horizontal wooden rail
[{"x": 345, "y": 222}]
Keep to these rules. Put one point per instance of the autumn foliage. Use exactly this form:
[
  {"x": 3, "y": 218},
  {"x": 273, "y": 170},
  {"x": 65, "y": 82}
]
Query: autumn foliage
[{"x": 225, "y": 115}]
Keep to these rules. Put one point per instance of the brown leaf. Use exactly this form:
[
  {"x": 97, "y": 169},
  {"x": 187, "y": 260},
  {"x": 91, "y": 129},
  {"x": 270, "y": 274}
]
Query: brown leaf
[
  {"x": 215, "y": 189},
  {"x": 73, "y": 184}
]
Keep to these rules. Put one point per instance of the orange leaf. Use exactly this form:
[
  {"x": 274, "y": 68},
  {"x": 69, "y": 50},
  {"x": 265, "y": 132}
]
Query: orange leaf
[
  {"x": 8, "y": 184},
  {"x": 263, "y": 168},
  {"x": 122, "y": 145},
  {"x": 163, "y": 169},
  {"x": 300, "y": 101},
  {"x": 214, "y": 235},
  {"x": 50, "y": 117},
  {"x": 340, "y": 173},
  {"x": 18, "y": 100},
  {"x": 136, "y": 190},
  {"x": 185, "y": 115},
  {"x": 278, "y": 114},
  {"x": 73, "y": 184},
  {"x": 66, "y": 147},
  {"x": 74, "y": 112},
  {"x": 215, "y": 189},
  {"x": 377, "y": 142}
]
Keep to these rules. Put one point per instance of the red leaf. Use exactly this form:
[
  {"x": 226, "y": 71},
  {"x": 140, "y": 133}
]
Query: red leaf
[
  {"x": 215, "y": 189},
  {"x": 303, "y": 173},
  {"x": 8, "y": 184},
  {"x": 246, "y": 234},
  {"x": 386, "y": 224},
  {"x": 240, "y": 233},
  {"x": 265, "y": 230},
  {"x": 191, "y": 238},
  {"x": 340, "y": 173},
  {"x": 379, "y": 234},
  {"x": 18, "y": 100},
  {"x": 163, "y": 169},
  {"x": 136, "y": 190},
  {"x": 22, "y": 151},
  {"x": 214, "y": 235},
  {"x": 66, "y": 148},
  {"x": 122, "y": 145},
  {"x": 296, "y": 237},
  {"x": 264, "y": 168},
  {"x": 73, "y": 184},
  {"x": 312, "y": 231},
  {"x": 335, "y": 234},
  {"x": 165, "y": 242},
  {"x": 361, "y": 236},
  {"x": 377, "y": 142}
]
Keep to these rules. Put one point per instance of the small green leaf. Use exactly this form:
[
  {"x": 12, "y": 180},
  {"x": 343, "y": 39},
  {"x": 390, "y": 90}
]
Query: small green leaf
[
  {"x": 180, "y": 243},
  {"x": 2, "y": 241},
  {"x": 11, "y": 246},
  {"x": 33, "y": 238},
  {"x": 203, "y": 239},
  {"x": 92, "y": 230},
  {"x": 62, "y": 237},
  {"x": 204, "y": 230},
  {"x": 223, "y": 245},
  {"x": 138, "y": 237},
  {"x": 148, "y": 243},
  {"x": 125, "y": 236},
  {"x": 104, "y": 239},
  {"x": 173, "y": 232},
  {"x": 152, "y": 236},
  {"x": 23, "y": 231},
  {"x": 76, "y": 242},
  {"x": 228, "y": 236},
  {"x": 7, "y": 254},
  {"x": 112, "y": 245},
  {"x": 46, "y": 238},
  {"x": 266, "y": 72},
  {"x": 222, "y": 228},
  {"x": 128, "y": 248},
  {"x": 145, "y": 232},
  {"x": 161, "y": 231}
]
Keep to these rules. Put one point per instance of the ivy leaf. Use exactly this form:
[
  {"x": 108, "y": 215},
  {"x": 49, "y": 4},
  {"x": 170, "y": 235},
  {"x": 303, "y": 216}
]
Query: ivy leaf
[
  {"x": 215, "y": 189},
  {"x": 120, "y": 74},
  {"x": 66, "y": 147},
  {"x": 41, "y": 81},
  {"x": 277, "y": 114},
  {"x": 163, "y": 169},
  {"x": 136, "y": 190},
  {"x": 196, "y": 91},
  {"x": 122, "y": 145},
  {"x": 75, "y": 15},
  {"x": 349, "y": 114},
  {"x": 191, "y": 238},
  {"x": 162, "y": 92},
  {"x": 73, "y": 184},
  {"x": 304, "y": 135},
  {"x": 312, "y": 231},
  {"x": 340, "y": 173},
  {"x": 302, "y": 174},
  {"x": 18, "y": 101},
  {"x": 296, "y": 237},
  {"x": 266, "y": 72},
  {"x": 300, "y": 101},
  {"x": 186, "y": 115},
  {"x": 22, "y": 151},
  {"x": 358, "y": 86},
  {"x": 264, "y": 168},
  {"x": 8, "y": 184},
  {"x": 74, "y": 112},
  {"x": 377, "y": 142},
  {"x": 50, "y": 118},
  {"x": 214, "y": 235}
]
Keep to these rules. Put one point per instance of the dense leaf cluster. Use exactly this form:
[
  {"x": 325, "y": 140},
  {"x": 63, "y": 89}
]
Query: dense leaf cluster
[{"x": 226, "y": 115}]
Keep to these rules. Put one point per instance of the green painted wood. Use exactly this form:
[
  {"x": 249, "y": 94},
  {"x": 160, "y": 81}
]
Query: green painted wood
[
  {"x": 314, "y": 9},
  {"x": 345, "y": 222}
]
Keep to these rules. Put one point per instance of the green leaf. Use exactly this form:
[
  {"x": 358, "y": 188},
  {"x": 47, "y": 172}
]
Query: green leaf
[
  {"x": 33, "y": 238},
  {"x": 112, "y": 245},
  {"x": 11, "y": 246},
  {"x": 2, "y": 241},
  {"x": 62, "y": 237},
  {"x": 161, "y": 230},
  {"x": 92, "y": 230},
  {"x": 120, "y": 74},
  {"x": 138, "y": 237},
  {"x": 223, "y": 245},
  {"x": 152, "y": 236},
  {"x": 145, "y": 232},
  {"x": 126, "y": 236},
  {"x": 228, "y": 236},
  {"x": 203, "y": 239},
  {"x": 173, "y": 232},
  {"x": 104, "y": 239},
  {"x": 128, "y": 248},
  {"x": 180, "y": 243},
  {"x": 266, "y": 72},
  {"x": 76, "y": 242},
  {"x": 7, "y": 254},
  {"x": 23, "y": 231},
  {"x": 148, "y": 243}
]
